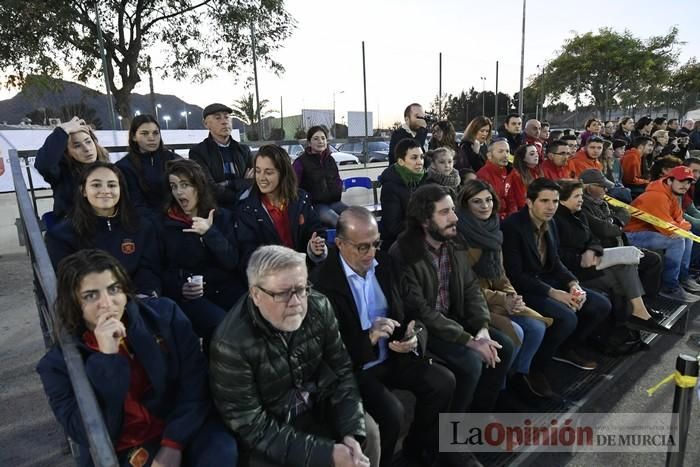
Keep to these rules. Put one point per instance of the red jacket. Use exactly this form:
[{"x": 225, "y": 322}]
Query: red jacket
[
  {"x": 555, "y": 172},
  {"x": 518, "y": 189},
  {"x": 632, "y": 168},
  {"x": 501, "y": 181},
  {"x": 659, "y": 201},
  {"x": 581, "y": 162}
]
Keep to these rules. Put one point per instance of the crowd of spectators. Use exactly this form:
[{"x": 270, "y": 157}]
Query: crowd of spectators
[{"x": 215, "y": 319}]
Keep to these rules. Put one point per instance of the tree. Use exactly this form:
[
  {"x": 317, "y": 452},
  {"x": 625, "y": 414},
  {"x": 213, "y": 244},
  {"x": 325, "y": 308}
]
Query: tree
[
  {"x": 607, "y": 67},
  {"x": 43, "y": 38},
  {"x": 244, "y": 109}
]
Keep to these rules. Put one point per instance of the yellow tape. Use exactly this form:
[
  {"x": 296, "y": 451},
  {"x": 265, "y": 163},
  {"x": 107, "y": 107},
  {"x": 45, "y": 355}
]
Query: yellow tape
[
  {"x": 681, "y": 381},
  {"x": 651, "y": 219}
]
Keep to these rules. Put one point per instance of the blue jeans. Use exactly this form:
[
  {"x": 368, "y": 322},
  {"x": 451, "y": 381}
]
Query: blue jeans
[
  {"x": 329, "y": 213},
  {"x": 676, "y": 256},
  {"x": 531, "y": 332}
]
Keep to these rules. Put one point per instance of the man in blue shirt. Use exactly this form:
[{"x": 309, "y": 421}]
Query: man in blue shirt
[{"x": 361, "y": 284}]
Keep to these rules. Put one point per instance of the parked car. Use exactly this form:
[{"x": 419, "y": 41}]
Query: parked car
[{"x": 378, "y": 150}]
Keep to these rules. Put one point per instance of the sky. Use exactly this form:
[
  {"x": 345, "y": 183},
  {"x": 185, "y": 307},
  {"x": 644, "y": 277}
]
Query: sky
[{"x": 403, "y": 39}]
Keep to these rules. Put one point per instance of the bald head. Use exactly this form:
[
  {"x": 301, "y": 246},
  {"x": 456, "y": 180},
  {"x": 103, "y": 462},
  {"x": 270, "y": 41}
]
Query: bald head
[
  {"x": 355, "y": 218},
  {"x": 357, "y": 238},
  {"x": 533, "y": 128},
  {"x": 689, "y": 124}
]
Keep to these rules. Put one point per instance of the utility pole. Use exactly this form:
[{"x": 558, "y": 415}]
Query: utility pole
[
  {"x": 495, "y": 110},
  {"x": 255, "y": 77},
  {"x": 440, "y": 87},
  {"x": 522, "y": 64}
]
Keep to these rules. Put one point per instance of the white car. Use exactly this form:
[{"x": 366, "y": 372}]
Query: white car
[{"x": 341, "y": 158}]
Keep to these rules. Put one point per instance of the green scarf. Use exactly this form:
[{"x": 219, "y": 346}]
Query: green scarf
[{"x": 408, "y": 176}]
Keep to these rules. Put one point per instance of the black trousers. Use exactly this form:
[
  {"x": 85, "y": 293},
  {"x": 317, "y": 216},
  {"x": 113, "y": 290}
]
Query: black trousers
[
  {"x": 432, "y": 384},
  {"x": 477, "y": 386},
  {"x": 650, "y": 267}
]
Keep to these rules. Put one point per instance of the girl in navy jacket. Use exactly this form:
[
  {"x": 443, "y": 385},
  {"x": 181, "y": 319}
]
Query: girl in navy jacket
[
  {"x": 71, "y": 147},
  {"x": 199, "y": 240},
  {"x": 144, "y": 363},
  {"x": 276, "y": 212},
  {"x": 104, "y": 219},
  {"x": 144, "y": 166}
]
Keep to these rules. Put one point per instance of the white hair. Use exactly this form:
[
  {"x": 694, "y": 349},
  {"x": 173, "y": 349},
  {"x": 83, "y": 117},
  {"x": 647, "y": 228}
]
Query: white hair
[{"x": 269, "y": 259}]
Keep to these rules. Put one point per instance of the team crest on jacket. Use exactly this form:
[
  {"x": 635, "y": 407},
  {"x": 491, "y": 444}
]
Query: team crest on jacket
[
  {"x": 128, "y": 246},
  {"x": 301, "y": 219}
]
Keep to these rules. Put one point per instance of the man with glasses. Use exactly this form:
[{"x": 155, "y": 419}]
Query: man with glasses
[
  {"x": 555, "y": 166},
  {"x": 280, "y": 375},
  {"x": 385, "y": 347}
]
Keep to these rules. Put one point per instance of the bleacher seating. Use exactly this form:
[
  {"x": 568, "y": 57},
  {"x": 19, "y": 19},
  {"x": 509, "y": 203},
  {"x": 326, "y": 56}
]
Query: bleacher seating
[{"x": 367, "y": 184}]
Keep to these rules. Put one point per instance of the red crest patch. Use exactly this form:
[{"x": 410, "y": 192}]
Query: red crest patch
[{"x": 128, "y": 246}]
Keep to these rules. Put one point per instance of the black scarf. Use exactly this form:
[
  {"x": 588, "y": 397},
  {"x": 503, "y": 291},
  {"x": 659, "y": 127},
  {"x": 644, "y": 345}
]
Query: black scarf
[{"x": 487, "y": 236}]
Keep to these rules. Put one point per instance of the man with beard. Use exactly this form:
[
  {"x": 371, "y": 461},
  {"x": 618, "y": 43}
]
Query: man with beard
[
  {"x": 441, "y": 290},
  {"x": 661, "y": 199},
  {"x": 534, "y": 268},
  {"x": 227, "y": 163},
  {"x": 415, "y": 126}
]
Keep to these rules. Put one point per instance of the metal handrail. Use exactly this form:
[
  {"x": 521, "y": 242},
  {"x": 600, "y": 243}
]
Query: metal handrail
[{"x": 101, "y": 449}]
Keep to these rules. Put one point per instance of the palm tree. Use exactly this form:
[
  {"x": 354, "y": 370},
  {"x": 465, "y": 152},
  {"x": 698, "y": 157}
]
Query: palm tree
[{"x": 244, "y": 109}]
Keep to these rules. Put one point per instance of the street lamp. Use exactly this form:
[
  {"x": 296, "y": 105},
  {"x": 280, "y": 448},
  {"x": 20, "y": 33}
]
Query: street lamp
[
  {"x": 167, "y": 119},
  {"x": 158, "y": 106},
  {"x": 185, "y": 113},
  {"x": 483, "y": 97},
  {"x": 120, "y": 122},
  {"x": 334, "y": 94}
]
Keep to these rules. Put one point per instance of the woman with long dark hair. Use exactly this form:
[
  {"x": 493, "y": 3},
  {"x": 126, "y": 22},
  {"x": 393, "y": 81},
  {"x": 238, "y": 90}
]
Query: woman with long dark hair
[
  {"x": 70, "y": 148},
  {"x": 201, "y": 250},
  {"x": 443, "y": 136},
  {"x": 144, "y": 166},
  {"x": 277, "y": 212},
  {"x": 317, "y": 174},
  {"x": 479, "y": 227},
  {"x": 144, "y": 364},
  {"x": 103, "y": 218},
  {"x": 526, "y": 169},
  {"x": 472, "y": 150}
]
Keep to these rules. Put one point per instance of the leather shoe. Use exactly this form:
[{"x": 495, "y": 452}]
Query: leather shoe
[
  {"x": 648, "y": 325},
  {"x": 657, "y": 315},
  {"x": 539, "y": 385}
]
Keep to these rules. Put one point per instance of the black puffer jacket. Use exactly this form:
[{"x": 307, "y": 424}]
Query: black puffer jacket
[
  {"x": 255, "y": 373},
  {"x": 394, "y": 200},
  {"x": 575, "y": 238}
]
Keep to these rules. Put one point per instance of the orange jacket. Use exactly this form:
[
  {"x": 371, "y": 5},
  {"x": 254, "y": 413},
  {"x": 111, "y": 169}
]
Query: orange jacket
[
  {"x": 554, "y": 172},
  {"x": 632, "y": 168},
  {"x": 581, "y": 162},
  {"x": 659, "y": 201},
  {"x": 501, "y": 181}
]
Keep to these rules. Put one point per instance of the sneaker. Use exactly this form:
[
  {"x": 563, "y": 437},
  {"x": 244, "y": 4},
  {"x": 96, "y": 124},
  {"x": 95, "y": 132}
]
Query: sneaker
[
  {"x": 571, "y": 357},
  {"x": 690, "y": 285},
  {"x": 679, "y": 294}
]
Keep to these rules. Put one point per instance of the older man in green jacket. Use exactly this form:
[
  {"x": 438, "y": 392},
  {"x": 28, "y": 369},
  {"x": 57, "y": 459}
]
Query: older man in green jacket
[{"x": 280, "y": 375}]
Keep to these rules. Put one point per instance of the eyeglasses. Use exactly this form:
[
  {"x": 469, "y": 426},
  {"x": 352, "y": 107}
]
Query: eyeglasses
[
  {"x": 286, "y": 295},
  {"x": 565, "y": 153},
  {"x": 363, "y": 248}
]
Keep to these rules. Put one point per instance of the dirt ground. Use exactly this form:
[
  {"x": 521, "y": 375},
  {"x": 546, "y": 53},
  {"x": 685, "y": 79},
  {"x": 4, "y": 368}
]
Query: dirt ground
[{"x": 29, "y": 434}]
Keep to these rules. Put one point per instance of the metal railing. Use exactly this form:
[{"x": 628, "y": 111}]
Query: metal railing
[{"x": 101, "y": 448}]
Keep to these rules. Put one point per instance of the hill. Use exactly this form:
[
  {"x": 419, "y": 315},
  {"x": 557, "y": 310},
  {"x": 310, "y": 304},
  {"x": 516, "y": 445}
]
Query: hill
[{"x": 63, "y": 99}]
